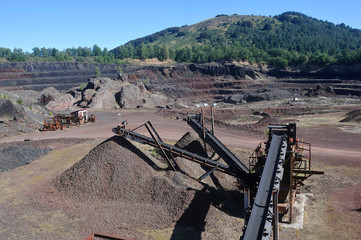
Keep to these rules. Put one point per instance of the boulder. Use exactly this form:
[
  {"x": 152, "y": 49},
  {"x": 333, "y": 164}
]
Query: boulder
[
  {"x": 47, "y": 95},
  {"x": 77, "y": 94},
  {"x": 9, "y": 111},
  {"x": 102, "y": 82},
  {"x": 104, "y": 99},
  {"x": 130, "y": 96},
  {"x": 100, "y": 93},
  {"x": 61, "y": 103},
  {"x": 88, "y": 94},
  {"x": 122, "y": 77},
  {"x": 233, "y": 99}
]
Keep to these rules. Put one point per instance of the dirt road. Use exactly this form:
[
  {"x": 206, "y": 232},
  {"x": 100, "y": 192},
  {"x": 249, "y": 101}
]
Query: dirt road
[
  {"x": 169, "y": 129},
  {"x": 325, "y": 142}
]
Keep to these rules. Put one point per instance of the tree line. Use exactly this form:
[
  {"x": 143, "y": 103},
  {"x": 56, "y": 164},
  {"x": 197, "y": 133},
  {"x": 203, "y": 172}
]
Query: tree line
[
  {"x": 80, "y": 54},
  {"x": 194, "y": 54}
]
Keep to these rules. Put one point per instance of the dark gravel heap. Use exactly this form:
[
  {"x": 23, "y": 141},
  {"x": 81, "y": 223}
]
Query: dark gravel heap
[
  {"x": 353, "y": 116},
  {"x": 266, "y": 120},
  {"x": 15, "y": 156},
  {"x": 116, "y": 170},
  {"x": 191, "y": 143}
]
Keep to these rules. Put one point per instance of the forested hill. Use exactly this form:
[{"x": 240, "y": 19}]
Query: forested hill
[{"x": 288, "y": 39}]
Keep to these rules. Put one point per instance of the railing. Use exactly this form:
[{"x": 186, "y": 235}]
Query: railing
[
  {"x": 302, "y": 161},
  {"x": 253, "y": 158}
]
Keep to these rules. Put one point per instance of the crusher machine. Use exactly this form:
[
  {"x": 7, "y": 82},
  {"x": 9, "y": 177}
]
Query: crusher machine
[{"x": 275, "y": 173}]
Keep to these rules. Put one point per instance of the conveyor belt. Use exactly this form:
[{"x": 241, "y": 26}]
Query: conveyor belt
[
  {"x": 219, "y": 148},
  {"x": 260, "y": 221},
  {"x": 176, "y": 151},
  {"x": 261, "y": 218}
]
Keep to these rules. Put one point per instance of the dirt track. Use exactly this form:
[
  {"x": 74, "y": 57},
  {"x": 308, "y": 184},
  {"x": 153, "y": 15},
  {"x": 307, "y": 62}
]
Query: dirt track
[{"x": 325, "y": 140}]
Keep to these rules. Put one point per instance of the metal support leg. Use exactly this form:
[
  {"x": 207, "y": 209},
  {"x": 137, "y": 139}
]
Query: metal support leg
[
  {"x": 291, "y": 189},
  {"x": 156, "y": 133},
  {"x": 275, "y": 216},
  {"x": 161, "y": 149},
  {"x": 207, "y": 174},
  {"x": 204, "y": 131},
  {"x": 212, "y": 117}
]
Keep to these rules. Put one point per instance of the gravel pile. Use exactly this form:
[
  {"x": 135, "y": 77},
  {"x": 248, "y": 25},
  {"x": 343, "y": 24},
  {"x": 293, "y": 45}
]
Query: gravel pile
[
  {"x": 116, "y": 187},
  {"x": 191, "y": 143},
  {"x": 194, "y": 144},
  {"x": 353, "y": 116},
  {"x": 15, "y": 156},
  {"x": 115, "y": 170},
  {"x": 266, "y": 120}
]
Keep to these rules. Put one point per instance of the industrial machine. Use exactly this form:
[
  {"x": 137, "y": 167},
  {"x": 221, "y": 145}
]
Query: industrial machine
[
  {"x": 51, "y": 124},
  {"x": 276, "y": 171}
]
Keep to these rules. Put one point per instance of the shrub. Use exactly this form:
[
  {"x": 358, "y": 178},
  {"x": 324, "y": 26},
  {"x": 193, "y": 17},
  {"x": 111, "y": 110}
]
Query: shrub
[
  {"x": 20, "y": 101},
  {"x": 97, "y": 72},
  {"x": 82, "y": 86}
]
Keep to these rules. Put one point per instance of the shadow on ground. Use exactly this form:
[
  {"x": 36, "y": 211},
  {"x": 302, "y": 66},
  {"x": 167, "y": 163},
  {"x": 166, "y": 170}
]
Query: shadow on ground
[{"x": 193, "y": 221}]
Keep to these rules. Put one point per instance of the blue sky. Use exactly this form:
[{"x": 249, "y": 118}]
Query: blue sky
[{"x": 109, "y": 23}]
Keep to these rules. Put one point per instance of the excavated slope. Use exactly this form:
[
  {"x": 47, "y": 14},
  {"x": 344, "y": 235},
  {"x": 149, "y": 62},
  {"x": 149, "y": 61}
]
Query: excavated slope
[{"x": 195, "y": 81}]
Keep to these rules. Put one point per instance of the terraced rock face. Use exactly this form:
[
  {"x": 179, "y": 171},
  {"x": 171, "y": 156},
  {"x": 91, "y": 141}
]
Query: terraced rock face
[
  {"x": 215, "y": 81},
  {"x": 39, "y": 75}
]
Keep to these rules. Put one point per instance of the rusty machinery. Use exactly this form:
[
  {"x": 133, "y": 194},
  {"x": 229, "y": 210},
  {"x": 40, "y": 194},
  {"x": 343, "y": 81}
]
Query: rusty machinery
[
  {"x": 275, "y": 173},
  {"x": 51, "y": 124},
  {"x": 60, "y": 121}
]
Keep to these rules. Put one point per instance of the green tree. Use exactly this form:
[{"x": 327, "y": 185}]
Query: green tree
[
  {"x": 163, "y": 53},
  {"x": 267, "y": 27},
  {"x": 142, "y": 52},
  {"x": 44, "y": 52},
  {"x": 5, "y": 52},
  {"x": 97, "y": 51},
  {"x": 54, "y": 52},
  {"x": 247, "y": 24},
  {"x": 37, "y": 52},
  {"x": 105, "y": 52}
]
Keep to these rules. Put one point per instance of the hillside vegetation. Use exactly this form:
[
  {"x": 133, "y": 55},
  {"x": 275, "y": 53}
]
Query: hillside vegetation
[{"x": 289, "y": 39}]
